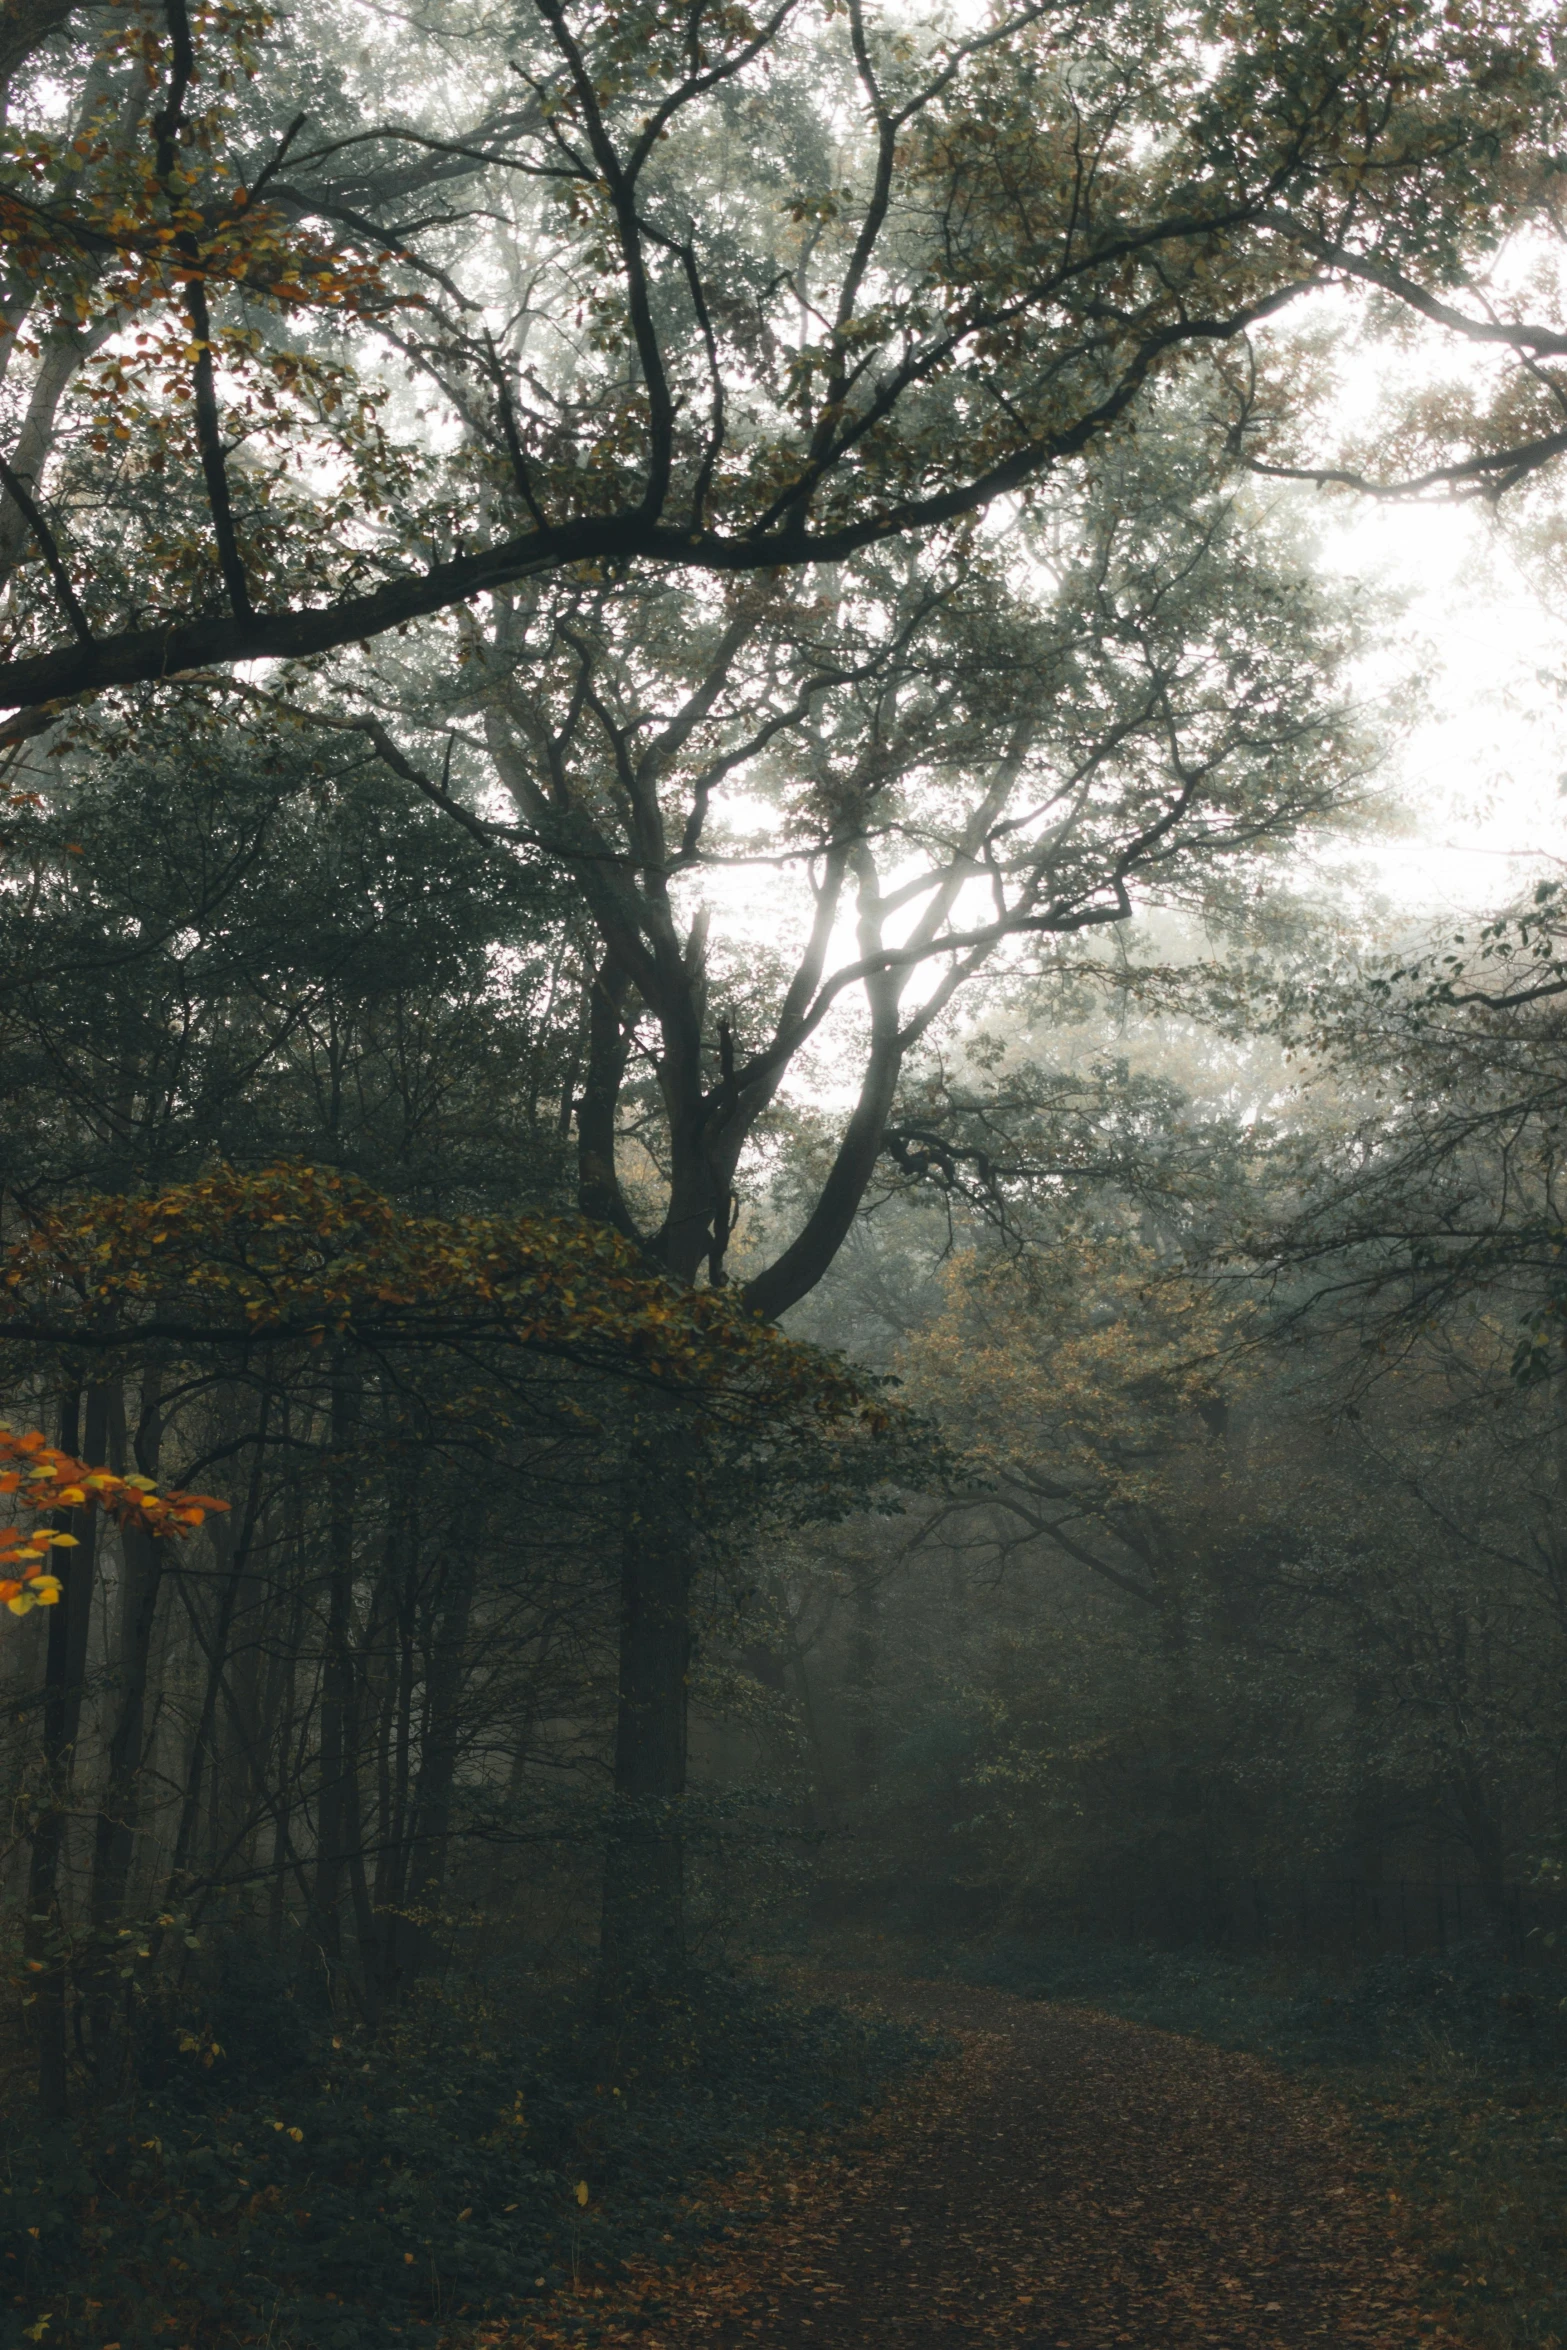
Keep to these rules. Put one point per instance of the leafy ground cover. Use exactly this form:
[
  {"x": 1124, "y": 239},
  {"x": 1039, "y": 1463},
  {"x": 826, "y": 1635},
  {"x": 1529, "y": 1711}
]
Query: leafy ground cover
[
  {"x": 1452, "y": 2066},
  {"x": 768, "y": 2163},
  {"x": 1062, "y": 2180},
  {"x": 269, "y": 2181}
]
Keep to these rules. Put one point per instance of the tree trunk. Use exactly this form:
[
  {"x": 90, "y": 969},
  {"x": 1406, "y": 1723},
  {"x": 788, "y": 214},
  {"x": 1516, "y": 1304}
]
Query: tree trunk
[
  {"x": 1368, "y": 1802},
  {"x": 65, "y": 1671},
  {"x": 114, "y": 1836},
  {"x": 643, "y": 1941},
  {"x": 863, "y": 1646},
  {"x": 338, "y": 1804},
  {"x": 285, "y": 1720},
  {"x": 394, "y": 1749},
  {"x": 444, "y": 1679}
]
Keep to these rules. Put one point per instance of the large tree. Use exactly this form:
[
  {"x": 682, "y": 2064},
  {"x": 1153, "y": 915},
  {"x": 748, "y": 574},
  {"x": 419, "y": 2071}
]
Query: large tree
[
  {"x": 683, "y": 287},
  {"x": 937, "y": 759}
]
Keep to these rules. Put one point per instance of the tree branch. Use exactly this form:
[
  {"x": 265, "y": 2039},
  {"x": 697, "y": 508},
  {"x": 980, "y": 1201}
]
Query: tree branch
[{"x": 16, "y": 489}]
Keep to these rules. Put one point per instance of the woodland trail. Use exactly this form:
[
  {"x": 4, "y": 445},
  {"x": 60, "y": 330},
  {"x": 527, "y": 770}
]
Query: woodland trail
[{"x": 1068, "y": 2181}]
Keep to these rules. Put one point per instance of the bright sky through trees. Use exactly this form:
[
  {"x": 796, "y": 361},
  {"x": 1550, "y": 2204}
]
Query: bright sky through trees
[{"x": 1480, "y": 771}]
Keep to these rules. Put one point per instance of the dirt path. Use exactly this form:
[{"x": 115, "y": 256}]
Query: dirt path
[{"x": 1069, "y": 2181}]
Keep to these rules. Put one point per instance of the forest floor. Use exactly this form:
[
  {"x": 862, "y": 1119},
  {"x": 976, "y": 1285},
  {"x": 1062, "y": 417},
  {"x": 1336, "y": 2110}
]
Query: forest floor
[{"x": 1065, "y": 2179}]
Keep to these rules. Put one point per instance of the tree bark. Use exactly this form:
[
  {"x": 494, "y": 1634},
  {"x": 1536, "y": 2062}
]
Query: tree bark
[
  {"x": 643, "y": 1936},
  {"x": 65, "y": 1671},
  {"x": 338, "y": 1802},
  {"x": 445, "y": 1673},
  {"x": 114, "y": 1835},
  {"x": 865, "y": 1641},
  {"x": 25, "y": 25},
  {"x": 399, "y": 1609}
]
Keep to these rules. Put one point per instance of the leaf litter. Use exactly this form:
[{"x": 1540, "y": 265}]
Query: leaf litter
[{"x": 1063, "y": 2180}]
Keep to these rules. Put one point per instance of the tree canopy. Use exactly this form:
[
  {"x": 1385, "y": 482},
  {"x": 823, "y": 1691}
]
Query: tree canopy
[
  {"x": 709, "y": 290},
  {"x": 295, "y": 1254}
]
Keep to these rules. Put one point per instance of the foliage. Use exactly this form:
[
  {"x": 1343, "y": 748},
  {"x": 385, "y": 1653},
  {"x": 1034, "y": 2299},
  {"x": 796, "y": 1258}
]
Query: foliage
[
  {"x": 133, "y": 229},
  {"x": 1427, "y": 1196},
  {"x": 436, "y": 1417},
  {"x": 1141, "y": 699},
  {"x": 299, "y": 1253},
  {"x": 218, "y": 949},
  {"x": 278, "y": 2180},
  {"x": 1470, "y": 2001},
  {"x": 636, "y": 672},
  {"x": 1032, "y": 223},
  {"x": 39, "y": 1477},
  {"x": 665, "y": 456}
]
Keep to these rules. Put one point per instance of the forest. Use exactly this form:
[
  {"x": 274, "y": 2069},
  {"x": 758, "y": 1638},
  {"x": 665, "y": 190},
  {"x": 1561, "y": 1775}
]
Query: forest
[{"x": 783, "y": 1322}]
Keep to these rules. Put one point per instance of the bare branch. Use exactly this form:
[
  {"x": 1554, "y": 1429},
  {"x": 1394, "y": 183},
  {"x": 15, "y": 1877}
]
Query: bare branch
[{"x": 16, "y": 489}]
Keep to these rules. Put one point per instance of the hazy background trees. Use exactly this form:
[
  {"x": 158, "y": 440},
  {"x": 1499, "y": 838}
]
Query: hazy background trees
[
  {"x": 1246, "y": 1623},
  {"x": 788, "y": 694}
]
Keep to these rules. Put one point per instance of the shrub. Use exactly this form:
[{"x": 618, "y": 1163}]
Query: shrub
[{"x": 337, "y": 2191}]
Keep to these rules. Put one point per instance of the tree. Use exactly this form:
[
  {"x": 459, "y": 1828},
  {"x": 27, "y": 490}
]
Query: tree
[
  {"x": 1421, "y": 1183},
  {"x": 722, "y": 404},
  {"x": 38, "y": 1477},
  {"x": 385, "y": 1392},
  {"x": 957, "y": 755},
  {"x": 695, "y": 291},
  {"x": 217, "y": 948},
  {"x": 1223, "y": 1609}
]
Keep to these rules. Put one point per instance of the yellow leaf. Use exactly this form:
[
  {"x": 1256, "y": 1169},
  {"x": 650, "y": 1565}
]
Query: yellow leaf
[{"x": 582, "y": 2191}]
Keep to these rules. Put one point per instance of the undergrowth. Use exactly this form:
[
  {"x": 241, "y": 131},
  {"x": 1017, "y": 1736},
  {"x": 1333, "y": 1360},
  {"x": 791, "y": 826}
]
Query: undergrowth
[
  {"x": 1453, "y": 2067},
  {"x": 302, "y": 2189}
]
